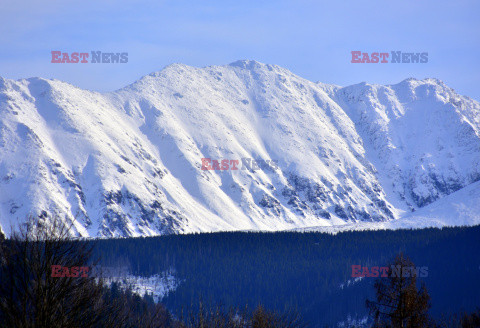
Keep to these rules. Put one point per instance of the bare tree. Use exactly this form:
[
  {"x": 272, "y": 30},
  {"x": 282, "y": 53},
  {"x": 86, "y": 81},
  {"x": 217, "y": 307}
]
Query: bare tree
[
  {"x": 398, "y": 302},
  {"x": 29, "y": 295},
  {"x": 42, "y": 283},
  {"x": 217, "y": 317}
]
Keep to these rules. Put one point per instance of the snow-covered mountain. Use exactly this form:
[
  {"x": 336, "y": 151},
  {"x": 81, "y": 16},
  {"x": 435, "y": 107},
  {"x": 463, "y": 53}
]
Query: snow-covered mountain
[
  {"x": 299, "y": 153},
  {"x": 461, "y": 208}
]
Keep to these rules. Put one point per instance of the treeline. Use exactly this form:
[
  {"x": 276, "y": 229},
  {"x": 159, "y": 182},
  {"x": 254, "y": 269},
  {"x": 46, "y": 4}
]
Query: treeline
[
  {"x": 306, "y": 275},
  {"x": 303, "y": 271},
  {"x": 34, "y": 295}
]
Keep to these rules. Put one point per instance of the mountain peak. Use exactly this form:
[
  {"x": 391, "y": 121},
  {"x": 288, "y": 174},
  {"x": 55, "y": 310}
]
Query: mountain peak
[
  {"x": 247, "y": 63},
  {"x": 428, "y": 80},
  {"x": 142, "y": 161}
]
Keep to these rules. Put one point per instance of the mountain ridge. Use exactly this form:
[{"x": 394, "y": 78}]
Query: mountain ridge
[{"x": 128, "y": 162}]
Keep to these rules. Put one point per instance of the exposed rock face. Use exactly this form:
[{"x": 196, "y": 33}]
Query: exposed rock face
[{"x": 129, "y": 162}]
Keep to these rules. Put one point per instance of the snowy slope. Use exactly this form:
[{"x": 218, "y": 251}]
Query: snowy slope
[
  {"x": 421, "y": 136},
  {"x": 461, "y": 208},
  {"x": 129, "y": 162}
]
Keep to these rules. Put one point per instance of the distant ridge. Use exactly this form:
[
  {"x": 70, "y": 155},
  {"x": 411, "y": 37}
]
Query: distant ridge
[{"x": 129, "y": 162}]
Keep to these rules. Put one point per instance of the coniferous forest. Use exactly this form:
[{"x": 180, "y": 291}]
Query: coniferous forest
[{"x": 308, "y": 273}]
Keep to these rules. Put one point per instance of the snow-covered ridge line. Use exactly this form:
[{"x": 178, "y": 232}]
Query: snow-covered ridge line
[{"x": 129, "y": 162}]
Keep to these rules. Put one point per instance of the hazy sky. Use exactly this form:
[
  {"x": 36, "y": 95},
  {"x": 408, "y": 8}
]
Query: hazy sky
[{"x": 311, "y": 38}]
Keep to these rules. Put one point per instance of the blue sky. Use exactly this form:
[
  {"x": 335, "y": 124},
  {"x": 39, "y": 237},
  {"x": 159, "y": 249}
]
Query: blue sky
[{"x": 311, "y": 38}]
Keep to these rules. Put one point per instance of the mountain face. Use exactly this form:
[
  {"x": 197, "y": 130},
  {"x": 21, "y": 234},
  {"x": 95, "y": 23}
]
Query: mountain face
[{"x": 243, "y": 146}]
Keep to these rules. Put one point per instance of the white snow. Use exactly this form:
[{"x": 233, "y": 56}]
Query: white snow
[
  {"x": 461, "y": 208},
  {"x": 128, "y": 163},
  {"x": 158, "y": 286}
]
